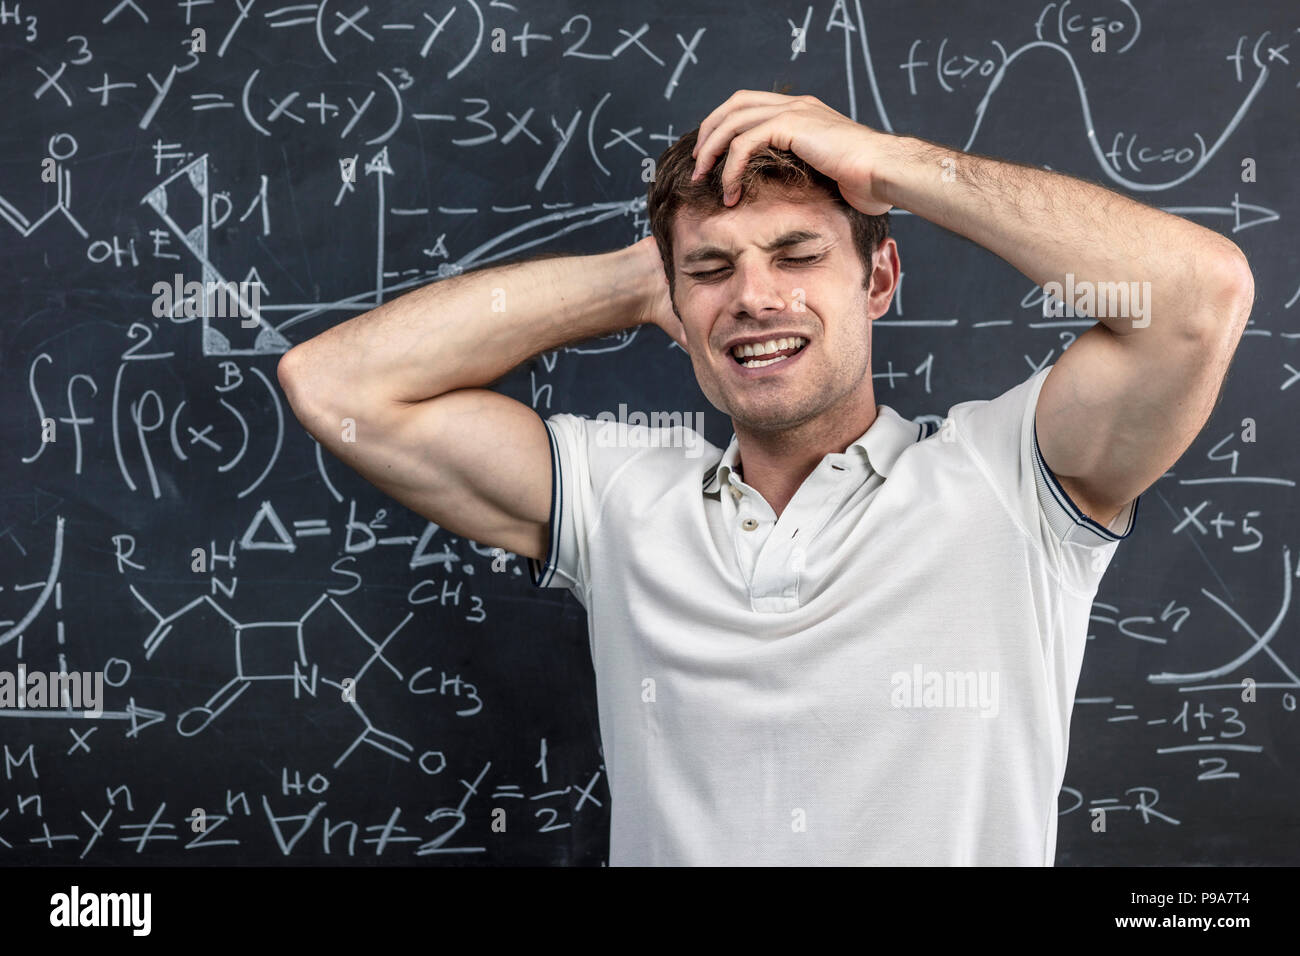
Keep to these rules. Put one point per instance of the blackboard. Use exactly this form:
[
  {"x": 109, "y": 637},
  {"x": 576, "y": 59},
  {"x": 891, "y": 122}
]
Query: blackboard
[{"x": 211, "y": 141}]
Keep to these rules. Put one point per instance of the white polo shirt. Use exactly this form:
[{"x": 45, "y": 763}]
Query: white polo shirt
[{"x": 883, "y": 675}]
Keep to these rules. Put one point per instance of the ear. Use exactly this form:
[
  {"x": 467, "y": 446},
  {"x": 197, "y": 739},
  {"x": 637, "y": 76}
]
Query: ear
[{"x": 883, "y": 281}]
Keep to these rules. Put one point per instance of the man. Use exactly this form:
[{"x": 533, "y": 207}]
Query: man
[{"x": 845, "y": 640}]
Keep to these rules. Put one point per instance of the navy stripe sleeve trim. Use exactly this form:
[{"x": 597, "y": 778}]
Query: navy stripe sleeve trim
[
  {"x": 1071, "y": 508},
  {"x": 543, "y": 572}
]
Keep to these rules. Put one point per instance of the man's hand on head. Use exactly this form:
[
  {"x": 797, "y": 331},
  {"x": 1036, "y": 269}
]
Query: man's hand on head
[
  {"x": 658, "y": 306},
  {"x": 847, "y": 152}
]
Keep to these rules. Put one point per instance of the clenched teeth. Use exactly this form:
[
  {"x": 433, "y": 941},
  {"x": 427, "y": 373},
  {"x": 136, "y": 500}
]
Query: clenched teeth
[
  {"x": 768, "y": 347},
  {"x": 759, "y": 363}
]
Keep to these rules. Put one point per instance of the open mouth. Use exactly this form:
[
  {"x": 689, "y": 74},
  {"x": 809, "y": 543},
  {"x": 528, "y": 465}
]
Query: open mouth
[{"x": 759, "y": 354}]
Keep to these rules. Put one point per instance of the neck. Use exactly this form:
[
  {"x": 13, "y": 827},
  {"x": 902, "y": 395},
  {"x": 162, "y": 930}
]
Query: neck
[{"x": 775, "y": 464}]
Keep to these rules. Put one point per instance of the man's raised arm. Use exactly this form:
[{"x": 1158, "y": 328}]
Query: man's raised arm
[
  {"x": 398, "y": 392},
  {"x": 1131, "y": 393},
  {"x": 1170, "y": 298}
]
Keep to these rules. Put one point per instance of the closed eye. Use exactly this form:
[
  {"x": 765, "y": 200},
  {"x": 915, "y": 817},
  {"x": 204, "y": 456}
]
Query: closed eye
[{"x": 713, "y": 273}]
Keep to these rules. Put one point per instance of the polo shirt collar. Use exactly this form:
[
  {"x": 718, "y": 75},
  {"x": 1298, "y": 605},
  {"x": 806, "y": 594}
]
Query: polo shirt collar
[{"x": 880, "y": 445}]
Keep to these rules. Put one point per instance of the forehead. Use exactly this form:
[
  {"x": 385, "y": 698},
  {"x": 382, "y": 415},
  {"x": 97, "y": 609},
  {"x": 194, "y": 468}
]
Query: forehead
[{"x": 760, "y": 220}]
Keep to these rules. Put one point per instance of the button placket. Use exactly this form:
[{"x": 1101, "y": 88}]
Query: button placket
[
  {"x": 746, "y": 543},
  {"x": 784, "y": 557}
]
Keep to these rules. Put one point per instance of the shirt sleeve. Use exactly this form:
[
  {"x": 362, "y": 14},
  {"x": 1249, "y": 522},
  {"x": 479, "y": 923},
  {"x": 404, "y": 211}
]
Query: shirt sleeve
[
  {"x": 1002, "y": 435},
  {"x": 579, "y": 474}
]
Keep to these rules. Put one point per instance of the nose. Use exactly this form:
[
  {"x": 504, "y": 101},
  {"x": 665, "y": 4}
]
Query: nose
[{"x": 757, "y": 290}]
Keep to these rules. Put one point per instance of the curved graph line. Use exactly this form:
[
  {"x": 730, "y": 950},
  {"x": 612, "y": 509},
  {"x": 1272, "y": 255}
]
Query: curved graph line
[
  {"x": 56, "y": 561},
  {"x": 871, "y": 71},
  {"x": 1092, "y": 133},
  {"x": 1260, "y": 643}
]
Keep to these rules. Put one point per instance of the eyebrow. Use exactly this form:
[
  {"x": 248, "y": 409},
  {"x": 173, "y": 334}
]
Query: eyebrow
[{"x": 782, "y": 241}]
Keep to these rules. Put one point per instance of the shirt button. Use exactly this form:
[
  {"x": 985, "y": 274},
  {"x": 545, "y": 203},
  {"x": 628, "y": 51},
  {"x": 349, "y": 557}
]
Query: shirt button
[
  {"x": 749, "y": 524},
  {"x": 737, "y": 493}
]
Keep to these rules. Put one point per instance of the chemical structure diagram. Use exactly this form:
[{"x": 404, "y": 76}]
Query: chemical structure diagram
[{"x": 275, "y": 651}]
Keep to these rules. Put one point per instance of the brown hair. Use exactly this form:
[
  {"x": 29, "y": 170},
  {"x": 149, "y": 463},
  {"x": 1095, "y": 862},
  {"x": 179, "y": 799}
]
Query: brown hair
[{"x": 672, "y": 191}]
